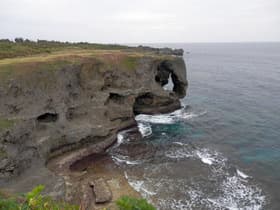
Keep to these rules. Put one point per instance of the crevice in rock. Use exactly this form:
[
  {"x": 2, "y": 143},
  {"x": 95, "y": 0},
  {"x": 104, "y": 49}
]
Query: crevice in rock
[
  {"x": 122, "y": 119},
  {"x": 83, "y": 143},
  {"x": 179, "y": 87},
  {"x": 144, "y": 100},
  {"x": 163, "y": 73},
  {"x": 115, "y": 98},
  {"x": 148, "y": 103},
  {"x": 47, "y": 118},
  {"x": 70, "y": 113},
  {"x": 84, "y": 163}
]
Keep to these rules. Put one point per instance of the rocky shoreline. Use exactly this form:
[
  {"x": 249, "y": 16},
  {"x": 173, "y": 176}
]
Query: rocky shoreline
[
  {"x": 97, "y": 178},
  {"x": 62, "y": 111}
]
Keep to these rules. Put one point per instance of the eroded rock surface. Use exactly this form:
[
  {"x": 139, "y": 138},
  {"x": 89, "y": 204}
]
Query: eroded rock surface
[
  {"x": 101, "y": 191},
  {"x": 76, "y": 104}
]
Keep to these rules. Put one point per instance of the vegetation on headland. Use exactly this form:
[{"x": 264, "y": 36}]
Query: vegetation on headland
[
  {"x": 3, "y": 153},
  {"x": 22, "y": 56},
  {"x": 128, "y": 203},
  {"x": 6, "y": 123},
  {"x": 24, "y": 47},
  {"x": 101, "y": 60},
  {"x": 34, "y": 200}
]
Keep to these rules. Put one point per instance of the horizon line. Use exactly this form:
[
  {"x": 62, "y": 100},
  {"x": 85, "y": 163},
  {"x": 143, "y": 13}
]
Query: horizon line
[{"x": 161, "y": 42}]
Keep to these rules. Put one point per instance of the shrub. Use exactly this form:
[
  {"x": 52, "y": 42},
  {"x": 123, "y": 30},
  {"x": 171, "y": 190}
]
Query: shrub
[
  {"x": 9, "y": 204},
  {"x": 19, "y": 40},
  {"x": 34, "y": 200},
  {"x": 128, "y": 203}
]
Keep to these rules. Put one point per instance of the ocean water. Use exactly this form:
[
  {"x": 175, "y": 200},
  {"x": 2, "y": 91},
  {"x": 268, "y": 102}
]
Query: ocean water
[{"x": 222, "y": 150}]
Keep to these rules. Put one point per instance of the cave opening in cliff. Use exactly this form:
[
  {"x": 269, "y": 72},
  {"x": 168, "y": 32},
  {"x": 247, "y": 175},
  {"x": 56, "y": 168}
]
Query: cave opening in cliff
[
  {"x": 170, "y": 85},
  {"x": 47, "y": 117},
  {"x": 144, "y": 100},
  {"x": 115, "y": 98},
  {"x": 163, "y": 74},
  {"x": 167, "y": 78}
]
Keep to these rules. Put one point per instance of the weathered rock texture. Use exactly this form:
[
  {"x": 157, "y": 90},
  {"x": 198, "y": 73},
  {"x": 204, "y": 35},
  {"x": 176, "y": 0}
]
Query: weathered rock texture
[
  {"x": 101, "y": 191},
  {"x": 77, "y": 103}
]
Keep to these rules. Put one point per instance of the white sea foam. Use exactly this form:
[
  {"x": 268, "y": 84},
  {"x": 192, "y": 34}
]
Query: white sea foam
[
  {"x": 179, "y": 153},
  {"x": 205, "y": 157},
  {"x": 179, "y": 143},
  {"x": 207, "y": 160},
  {"x": 157, "y": 119},
  {"x": 125, "y": 159},
  {"x": 120, "y": 138},
  {"x": 237, "y": 195},
  {"x": 145, "y": 129},
  {"x": 170, "y": 118},
  {"x": 234, "y": 192},
  {"x": 147, "y": 191},
  {"x": 174, "y": 204},
  {"x": 241, "y": 174},
  {"x": 139, "y": 186}
]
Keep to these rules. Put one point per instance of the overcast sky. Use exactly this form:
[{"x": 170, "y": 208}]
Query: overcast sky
[{"x": 141, "y": 21}]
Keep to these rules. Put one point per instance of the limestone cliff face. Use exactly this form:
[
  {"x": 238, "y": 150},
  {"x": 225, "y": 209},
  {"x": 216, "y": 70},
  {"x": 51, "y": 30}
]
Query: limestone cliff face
[{"x": 78, "y": 103}]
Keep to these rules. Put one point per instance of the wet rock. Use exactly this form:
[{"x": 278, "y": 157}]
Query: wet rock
[
  {"x": 101, "y": 191},
  {"x": 136, "y": 151},
  {"x": 133, "y": 134}
]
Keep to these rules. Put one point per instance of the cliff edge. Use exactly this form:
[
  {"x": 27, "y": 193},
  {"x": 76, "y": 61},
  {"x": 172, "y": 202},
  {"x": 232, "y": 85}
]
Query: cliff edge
[{"x": 75, "y": 102}]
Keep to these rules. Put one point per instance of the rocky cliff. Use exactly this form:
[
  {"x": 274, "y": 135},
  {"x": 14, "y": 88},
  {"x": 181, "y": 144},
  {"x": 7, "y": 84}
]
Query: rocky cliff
[{"x": 76, "y": 102}]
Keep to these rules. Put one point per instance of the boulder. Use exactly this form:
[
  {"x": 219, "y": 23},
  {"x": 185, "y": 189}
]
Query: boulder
[{"x": 101, "y": 191}]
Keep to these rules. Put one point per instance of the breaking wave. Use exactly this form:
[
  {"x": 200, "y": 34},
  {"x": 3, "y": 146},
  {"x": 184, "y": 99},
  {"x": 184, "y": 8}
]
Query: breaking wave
[
  {"x": 206, "y": 179},
  {"x": 170, "y": 118},
  {"x": 228, "y": 188},
  {"x": 125, "y": 159},
  {"x": 145, "y": 129}
]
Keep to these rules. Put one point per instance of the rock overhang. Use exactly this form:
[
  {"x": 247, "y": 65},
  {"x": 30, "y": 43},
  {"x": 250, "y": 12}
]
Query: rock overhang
[{"x": 78, "y": 101}]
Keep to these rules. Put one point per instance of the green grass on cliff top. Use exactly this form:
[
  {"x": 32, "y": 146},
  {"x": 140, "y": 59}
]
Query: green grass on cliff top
[
  {"x": 22, "y": 48},
  {"x": 109, "y": 59},
  {"x": 23, "y": 56},
  {"x": 25, "y": 50},
  {"x": 5, "y": 124}
]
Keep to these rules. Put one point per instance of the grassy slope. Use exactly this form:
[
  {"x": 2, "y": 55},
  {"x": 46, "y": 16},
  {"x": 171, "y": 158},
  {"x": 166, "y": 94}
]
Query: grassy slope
[
  {"x": 25, "y": 56},
  {"x": 109, "y": 59},
  {"x": 26, "y": 48}
]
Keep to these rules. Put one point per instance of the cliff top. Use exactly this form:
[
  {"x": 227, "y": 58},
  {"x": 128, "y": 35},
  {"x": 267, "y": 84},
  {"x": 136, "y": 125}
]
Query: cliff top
[
  {"x": 23, "y": 48},
  {"x": 24, "y": 56}
]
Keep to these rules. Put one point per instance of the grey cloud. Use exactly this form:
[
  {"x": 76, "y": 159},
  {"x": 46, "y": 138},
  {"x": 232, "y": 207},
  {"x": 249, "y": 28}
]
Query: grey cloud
[{"x": 127, "y": 21}]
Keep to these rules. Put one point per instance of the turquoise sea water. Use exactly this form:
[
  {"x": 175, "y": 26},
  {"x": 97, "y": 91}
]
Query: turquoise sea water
[
  {"x": 239, "y": 86},
  {"x": 222, "y": 151}
]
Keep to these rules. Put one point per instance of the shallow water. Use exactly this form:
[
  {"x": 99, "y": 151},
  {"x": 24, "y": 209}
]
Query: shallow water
[{"x": 222, "y": 151}]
